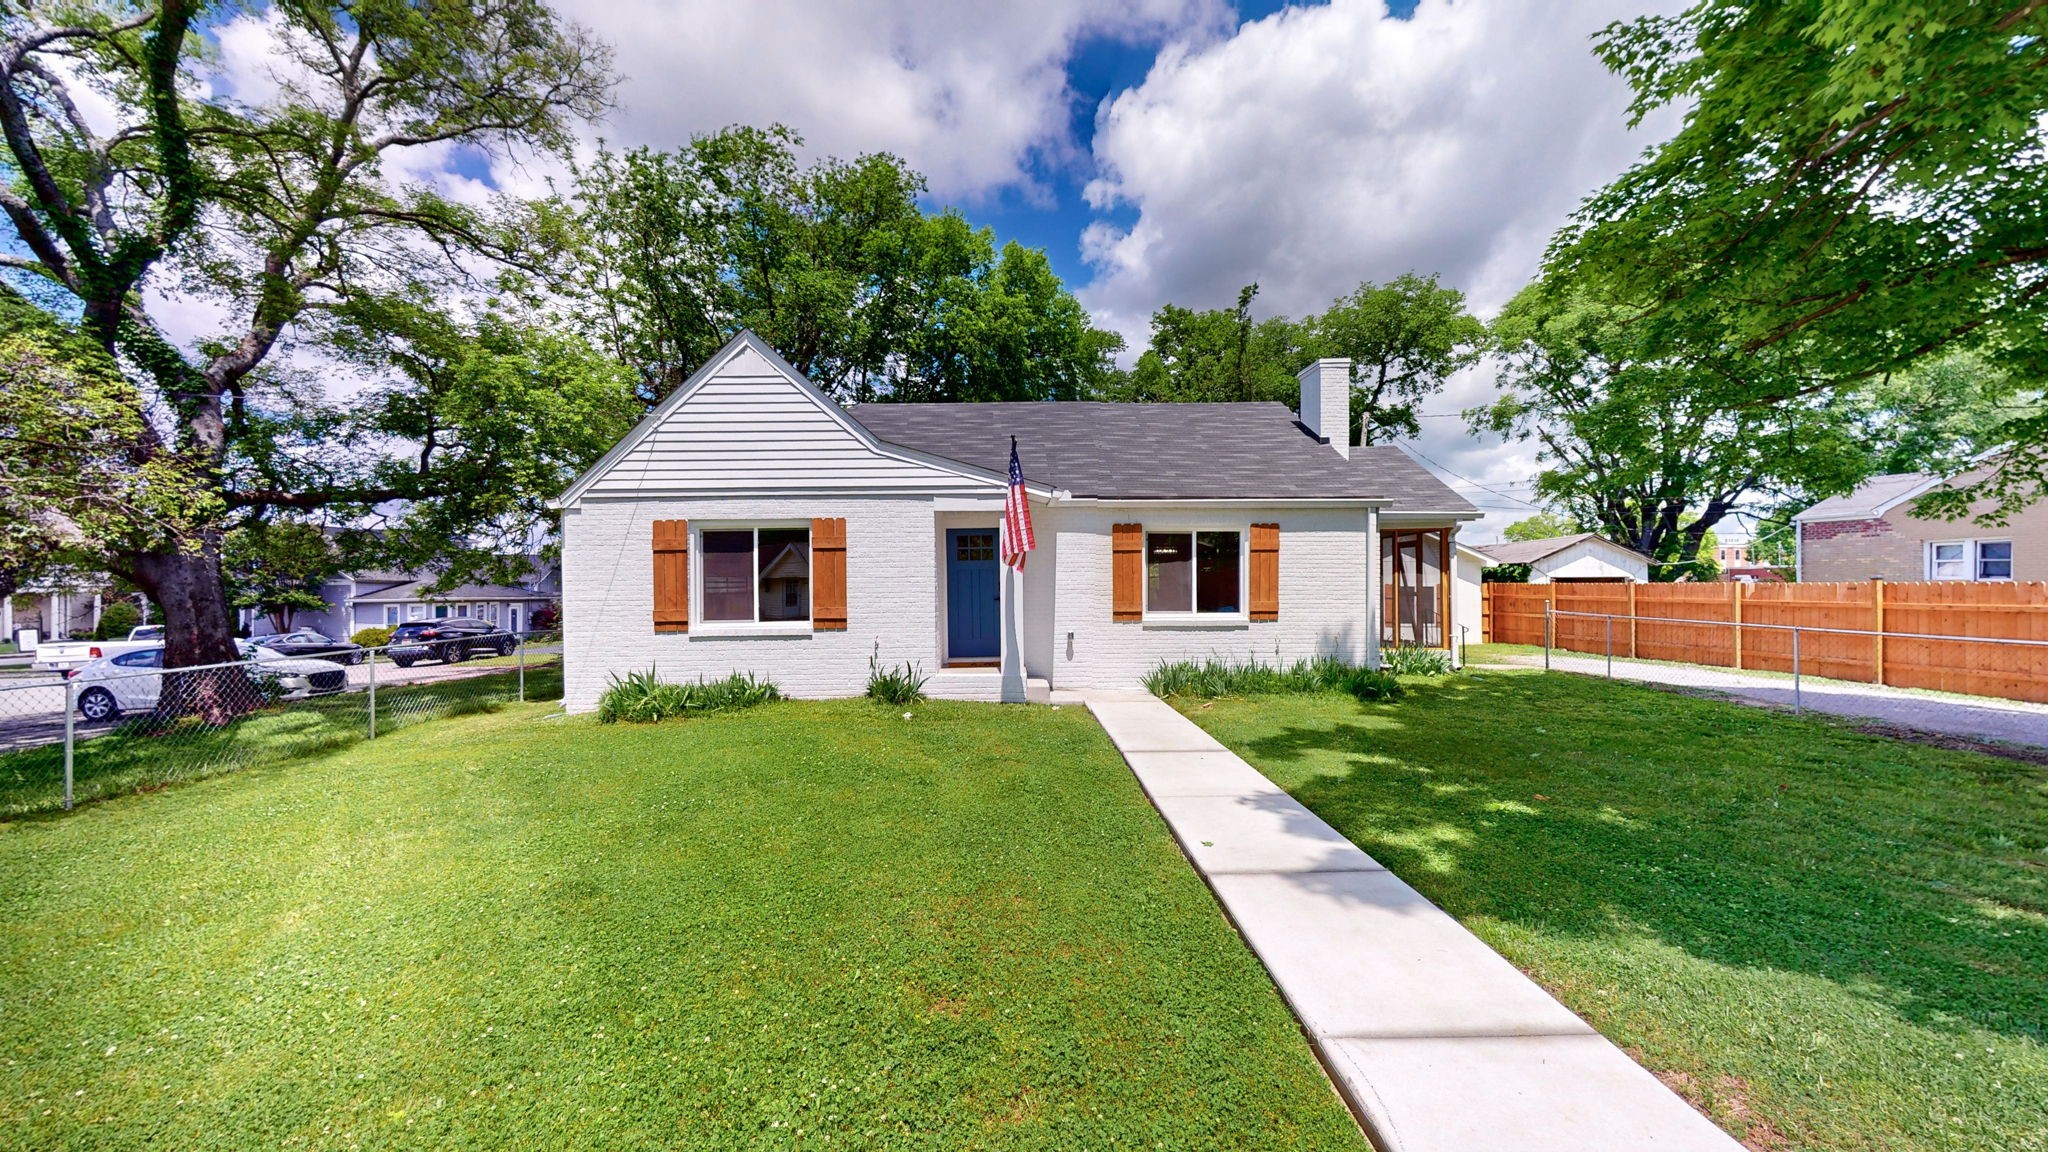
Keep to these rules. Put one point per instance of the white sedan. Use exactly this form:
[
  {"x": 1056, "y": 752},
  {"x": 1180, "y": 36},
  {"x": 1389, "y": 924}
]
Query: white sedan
[{"x": 131, "y": 681}]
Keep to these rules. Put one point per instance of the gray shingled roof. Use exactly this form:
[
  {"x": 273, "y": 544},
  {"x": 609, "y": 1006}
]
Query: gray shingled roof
[
  {"x": 1158, "y": 451},
  {"x": 1872, "y": 495}
]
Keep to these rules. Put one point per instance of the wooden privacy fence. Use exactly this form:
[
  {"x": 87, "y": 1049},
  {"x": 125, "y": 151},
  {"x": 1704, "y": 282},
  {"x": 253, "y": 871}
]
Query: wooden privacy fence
[{"x": 1904, "y": 635}]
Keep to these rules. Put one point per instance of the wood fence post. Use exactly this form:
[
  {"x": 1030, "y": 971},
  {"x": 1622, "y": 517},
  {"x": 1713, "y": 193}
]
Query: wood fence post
[
  {"x": 1631, "y": 619},
  {"x": 1735, "y": 599},
  {"x": 1877, "y": 610}
]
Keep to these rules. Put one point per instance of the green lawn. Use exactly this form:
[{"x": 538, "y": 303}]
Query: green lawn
[
  {"x": 807, "y": 925},
  {"x": 1830, "y": 940}
]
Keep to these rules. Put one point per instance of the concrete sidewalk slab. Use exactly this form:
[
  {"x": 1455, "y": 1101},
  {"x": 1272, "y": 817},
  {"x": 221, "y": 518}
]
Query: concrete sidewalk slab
[
  {"x": 1198, "y": 774},
  {"x": 1436, "y": 1041},
  {"x": 1258, "y": 832},
  {"x": 1529, "y": 1093},
  {"x": 1363, "y": 954}
]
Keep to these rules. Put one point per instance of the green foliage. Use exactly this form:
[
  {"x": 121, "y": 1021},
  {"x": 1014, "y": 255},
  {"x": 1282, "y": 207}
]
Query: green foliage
[
  {"x": 834, "y": 264},
  {"x": 1857, "y": 185},
  {"x": 277, "y": 568},
  {"x": 1404, "y": 339},
  {"x": 1541, "y": 526},
  {"x": 1640, "y": 440},
  {"x": 117, "y": 620},
  {"x": 1369, "y": 685},
  {"x": 1214, "y": 678},
  {"x": 1712, "y": 886},
  {"x": 555, "y": 914},
  {"x": 645, "y": 698},
  {"x": 372, "y": 637},
  {"x": 901, "y": 684},
  {"x": 281, "y": 214},
  {"x": 1415, "y": 660}
]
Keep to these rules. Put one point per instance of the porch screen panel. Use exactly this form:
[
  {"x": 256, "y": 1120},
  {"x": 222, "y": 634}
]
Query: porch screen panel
[{"x": 1413, "y": 587}]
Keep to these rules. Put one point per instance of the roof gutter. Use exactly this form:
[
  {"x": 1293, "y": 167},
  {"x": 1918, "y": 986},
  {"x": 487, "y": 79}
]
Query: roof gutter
[{"x": 1225, "y": 502}]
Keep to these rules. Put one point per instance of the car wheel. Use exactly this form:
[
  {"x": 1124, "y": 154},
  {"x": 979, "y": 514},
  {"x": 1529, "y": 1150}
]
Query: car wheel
[
  {"x": 98, "y": 705},
  {"x": 402, "y": 661},
  {"x": 355, "y": 658},
  {"x": 451, "y": 653},
  {"x": 505, "y": 647}
]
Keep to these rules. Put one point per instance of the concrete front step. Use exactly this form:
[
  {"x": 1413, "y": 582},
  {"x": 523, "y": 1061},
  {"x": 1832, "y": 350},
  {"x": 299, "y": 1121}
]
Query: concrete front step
[
  {"x": 980, "y": 684},
  {"x": 1438, "y": 1043}
]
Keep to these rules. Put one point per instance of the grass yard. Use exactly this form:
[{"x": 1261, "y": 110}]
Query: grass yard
[
  {"x": 805, "y": 925},
  {"x": 1828, "y": 940}
]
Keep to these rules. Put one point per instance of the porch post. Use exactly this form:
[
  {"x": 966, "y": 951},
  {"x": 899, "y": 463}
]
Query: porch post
[{"x": 1374, "y": 589}]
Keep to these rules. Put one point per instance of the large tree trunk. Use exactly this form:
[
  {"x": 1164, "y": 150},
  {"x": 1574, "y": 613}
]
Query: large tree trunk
[{"x": 198, "y": 631}]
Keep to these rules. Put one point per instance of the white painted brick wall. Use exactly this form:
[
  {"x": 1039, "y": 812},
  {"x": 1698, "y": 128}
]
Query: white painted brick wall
[
  {"x": 608, "y": 597},
  {"x": 1325, "y": 590}
]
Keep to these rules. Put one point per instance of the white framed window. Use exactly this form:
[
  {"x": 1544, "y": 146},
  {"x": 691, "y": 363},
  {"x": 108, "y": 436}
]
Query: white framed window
[
  {"x": 416, "y": 612},
  {"x": 754, "y": 575},
  {"x": 1194, "y": 573},
  {"x": 1948, "y": 560},
  {"x": 1969, "y": 560},
  {"x": 488, "y": 612},
  {"x": 1994, "y": 559},
  {"x": 391, "y": 614},
  {"x": 440, "y": 611}
]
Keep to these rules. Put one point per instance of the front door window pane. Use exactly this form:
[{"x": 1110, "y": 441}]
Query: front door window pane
[
  {"x": 1216, "y": 571},
  {"x": 1170, "y": 572},
  {"x": 728, "y": 569},
  {"x": 784, "y": 555}
]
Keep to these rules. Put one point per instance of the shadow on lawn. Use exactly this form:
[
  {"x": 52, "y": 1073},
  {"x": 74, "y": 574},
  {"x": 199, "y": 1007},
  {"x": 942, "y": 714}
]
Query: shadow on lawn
[{"x": 1916, "y": 876}]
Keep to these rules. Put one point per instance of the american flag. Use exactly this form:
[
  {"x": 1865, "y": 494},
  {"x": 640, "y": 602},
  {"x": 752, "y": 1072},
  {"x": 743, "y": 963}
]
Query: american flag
[{"x": 1018, "y": 538}]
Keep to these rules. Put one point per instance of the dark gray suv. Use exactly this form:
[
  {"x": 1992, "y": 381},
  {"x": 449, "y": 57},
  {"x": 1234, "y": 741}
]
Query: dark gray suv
[{"x": 450, "y": 640}]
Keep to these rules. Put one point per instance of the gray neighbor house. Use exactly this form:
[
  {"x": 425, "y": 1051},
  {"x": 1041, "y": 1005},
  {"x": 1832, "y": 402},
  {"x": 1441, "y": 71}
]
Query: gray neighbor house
[{"x": 373, "y": 599}]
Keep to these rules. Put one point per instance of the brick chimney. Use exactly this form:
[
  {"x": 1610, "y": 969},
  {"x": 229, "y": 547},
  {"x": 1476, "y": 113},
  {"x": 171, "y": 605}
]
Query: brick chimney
[{"x": 1326, "y": 403}]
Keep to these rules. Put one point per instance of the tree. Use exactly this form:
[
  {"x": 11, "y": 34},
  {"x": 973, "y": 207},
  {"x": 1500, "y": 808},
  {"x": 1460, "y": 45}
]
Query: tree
[
  {"x": 1541, "y": 526},
  {"x": 1864, "y": 183},
  {"x": 1942, "y": 414},
  {"x": 833, "y": 264},
  {"x": 1404, "y": 339},
  {"x": 1639, "y": 444},
  {"x": 281, "y": 213},
  {"x": 1219, "y": 354},
  {"x": 277, "y": 568}
]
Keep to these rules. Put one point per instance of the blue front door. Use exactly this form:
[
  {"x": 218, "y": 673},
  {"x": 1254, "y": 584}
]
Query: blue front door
[{"x": 971, "y": 595}]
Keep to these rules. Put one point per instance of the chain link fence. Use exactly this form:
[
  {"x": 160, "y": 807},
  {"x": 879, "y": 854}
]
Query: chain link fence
[
  {"x": 123, "y": 724},
  {"x": 1970, "y": 686}
]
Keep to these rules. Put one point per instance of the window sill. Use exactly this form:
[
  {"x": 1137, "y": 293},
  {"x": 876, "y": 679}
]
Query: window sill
[
  {"x": 750, "y": 631},
  {"x": 1220, "y": 622}
]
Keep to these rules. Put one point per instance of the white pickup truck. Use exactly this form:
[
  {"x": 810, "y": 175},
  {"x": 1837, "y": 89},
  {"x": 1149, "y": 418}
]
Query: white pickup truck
[{"x": 60, "y": 655}]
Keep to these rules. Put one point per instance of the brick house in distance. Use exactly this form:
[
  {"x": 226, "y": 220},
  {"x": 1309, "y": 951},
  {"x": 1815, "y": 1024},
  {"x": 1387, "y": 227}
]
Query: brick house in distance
[{"x": 1871, "y": 533}]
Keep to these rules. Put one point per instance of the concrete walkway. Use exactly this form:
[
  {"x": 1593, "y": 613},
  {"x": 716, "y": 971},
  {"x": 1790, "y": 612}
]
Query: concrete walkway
[
  {"x": 1437, "y": 1042},
  {"x": 1979, "y": 718}
]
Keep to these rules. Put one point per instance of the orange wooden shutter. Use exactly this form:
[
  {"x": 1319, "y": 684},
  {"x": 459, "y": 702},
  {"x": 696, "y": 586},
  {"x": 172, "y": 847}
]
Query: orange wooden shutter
[
  {"x": 828, "y": 575},
  {"x": 1127, "y": 571},
  {"x": 1265, "y": 594},
  {"x": 671, "y": 575}
]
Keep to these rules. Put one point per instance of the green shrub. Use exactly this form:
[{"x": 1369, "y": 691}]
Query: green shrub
[
  {"x": 1213, "y": 678},
  {"x": 902, "y": 684},
  {"x": 1412, "y": 660},
  {"x": 372, "y": 637},
  {"x": 1370, "y": 685},
  {"x": 644, "y": 698},
  {"x": 116, "y": 620}
]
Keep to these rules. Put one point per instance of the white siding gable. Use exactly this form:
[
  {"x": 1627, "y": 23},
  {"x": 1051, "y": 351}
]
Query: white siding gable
[{"x": 748, "y": 423}]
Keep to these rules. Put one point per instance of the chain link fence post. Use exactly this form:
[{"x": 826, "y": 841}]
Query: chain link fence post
[
  {"x": 519, "y": 642},
  {"x": 373, "y": 693},
  {"x": 70, "y": 733},
  {"x": 1610, "y": 647}
]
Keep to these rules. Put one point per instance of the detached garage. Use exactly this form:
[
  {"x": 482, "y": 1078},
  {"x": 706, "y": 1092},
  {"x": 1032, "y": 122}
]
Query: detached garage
[{"x": 1585, "y": 558}]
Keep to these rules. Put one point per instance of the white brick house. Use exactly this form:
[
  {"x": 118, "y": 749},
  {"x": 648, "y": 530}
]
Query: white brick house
[{"x": 1165, "y": 531}]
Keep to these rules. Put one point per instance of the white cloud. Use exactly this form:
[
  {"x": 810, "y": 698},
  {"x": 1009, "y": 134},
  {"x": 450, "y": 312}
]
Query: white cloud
[
  {"x": 1323, "y": 146},
  {"x": 968, "y": 93}
]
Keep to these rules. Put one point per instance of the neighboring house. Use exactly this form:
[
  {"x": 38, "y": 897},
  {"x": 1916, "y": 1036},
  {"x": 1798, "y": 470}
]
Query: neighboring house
[
  {"x": 1871, "y": 533},
  {"x": 57, "y": 607},
  {"x": 1732, "y": 555},
  {"x": 751, "y": 524},
  {"x": 1585, "y": 557},
  {"x": 386, "y": 599}
]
